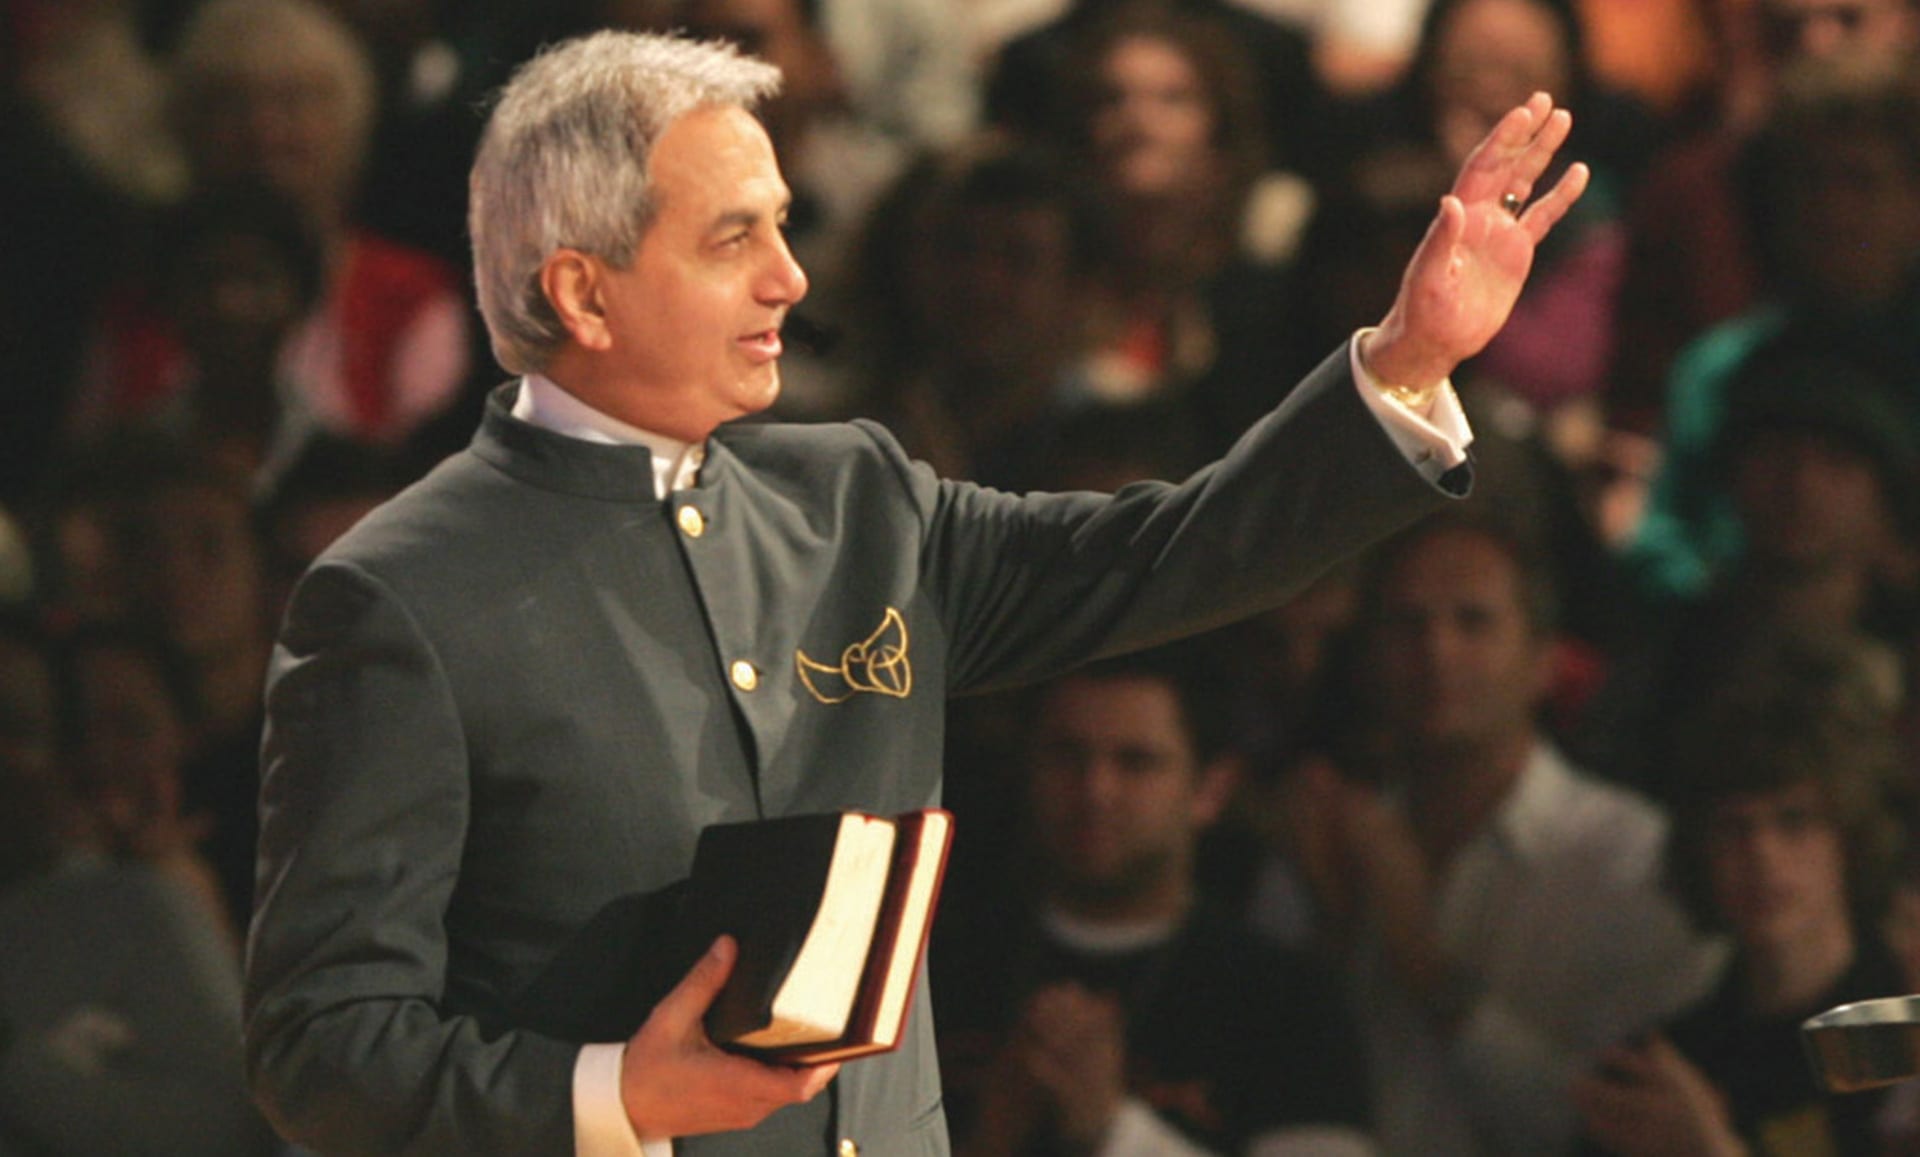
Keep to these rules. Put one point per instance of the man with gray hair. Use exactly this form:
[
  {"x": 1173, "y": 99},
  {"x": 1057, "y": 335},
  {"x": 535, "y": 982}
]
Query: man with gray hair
[{"x": 503, "y": 706}]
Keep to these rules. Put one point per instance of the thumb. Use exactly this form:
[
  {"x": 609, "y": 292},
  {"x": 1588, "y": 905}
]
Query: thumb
[{"x": 687, "y": 1003}]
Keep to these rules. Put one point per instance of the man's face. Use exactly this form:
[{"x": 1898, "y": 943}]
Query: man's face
[
  {"x": 997, "y": 290},
  {"x": 1118, "y": 791},
  {"x": 1809, "y": 501},
  {"x": 197, "y": 567},
  {"x": 1491, "y": 55},
  {"x": 1458, "y": 661},
  {"x": 1154, "y": 128},
  {"x": 1849, "y": 229},
  {"x": 694, "y": 321},
  {"x": 1776, "y": 866}
]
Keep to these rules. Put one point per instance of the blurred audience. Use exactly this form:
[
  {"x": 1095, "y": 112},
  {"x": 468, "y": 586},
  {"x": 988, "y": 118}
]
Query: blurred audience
[
  {"x": 132, "y": 716},
  {"x": 1197, "y": 297},
  {"x": 331, "y": 486},
  {"x": 1819, "y": 462},
  {"x": 197, "y": 578},
  {"x": 119, "y": 997},
  {"x": 979, "y": 283},
  {"x": 282, "y": 93},
  {"x": 239, "y": 320},
  {"x": 1502, "y": 911},
  {"x": 1836, "y": 193},
  {"x": 1114, "y": 1008},
  {"x": 1693, "y": 258},
  {"x": 1788, "y": 833},
  {"x": 1028, "y": 89}
]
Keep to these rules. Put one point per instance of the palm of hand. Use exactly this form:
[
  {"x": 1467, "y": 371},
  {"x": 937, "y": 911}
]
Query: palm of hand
[{"x": 1464, "y": 300}]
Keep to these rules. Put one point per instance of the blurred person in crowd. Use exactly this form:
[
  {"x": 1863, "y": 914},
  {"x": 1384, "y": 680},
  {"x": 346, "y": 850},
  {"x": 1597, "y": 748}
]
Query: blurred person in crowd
[
  {"x": 1031, "y": 84},
  {"x": 1503, "y": 911},
  {"x": 1835, "y": 182},
  {"x": 238, "y": 270},
  {"x": 907, "y": 67},
  {"x": 1103, "y": 1004},
  {"x": 1661, "y": 51},
  {"x": 119, "y": 996},
  {"x": 1787, "y": 836},
  {"x": 1819, "y": 463},
  {"x": 197, "y": 578},
  {"x": 331, "y": 486},
  {"x": 70, "y": 78},
  {"x": 978, "y": 274},
  {"x": 1162, "y": 116},
  {"x": 130, "y": 735},
  {"x": 280, "y": 91},
  {"x": 90, "y": 70},
  {"x": 77, "y": 549},
  {"x": 1694, "y": 253}
]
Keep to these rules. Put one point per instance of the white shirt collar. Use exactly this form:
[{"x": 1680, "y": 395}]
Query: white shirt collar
[
  {"x": 544, "y": 403},
  {"x": 1098, "y": 938},
  {"x": 1539, "y": 800}
]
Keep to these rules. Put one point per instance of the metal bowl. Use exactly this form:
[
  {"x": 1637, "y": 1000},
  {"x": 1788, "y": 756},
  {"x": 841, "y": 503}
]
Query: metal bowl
[{"x": 1865, "y": 1045}]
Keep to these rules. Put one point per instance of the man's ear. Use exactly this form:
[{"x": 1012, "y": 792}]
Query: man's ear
[
  {"x": 572, "y": 282},
  {"x": 1219, "y": 779}
]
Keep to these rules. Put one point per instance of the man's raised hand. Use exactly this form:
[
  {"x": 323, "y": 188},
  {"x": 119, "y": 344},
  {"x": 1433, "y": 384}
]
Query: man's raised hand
[{"x": 1469, "y": 269}]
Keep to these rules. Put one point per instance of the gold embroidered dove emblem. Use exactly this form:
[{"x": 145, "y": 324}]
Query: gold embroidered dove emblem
[{"x": 877, "y": 663}]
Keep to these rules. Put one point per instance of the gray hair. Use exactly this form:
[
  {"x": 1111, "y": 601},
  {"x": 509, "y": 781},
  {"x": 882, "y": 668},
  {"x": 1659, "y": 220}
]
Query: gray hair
[{"x": 563, "y": 164}]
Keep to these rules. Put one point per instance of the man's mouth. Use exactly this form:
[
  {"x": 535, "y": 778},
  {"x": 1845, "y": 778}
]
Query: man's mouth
[{"x": 762, "y": 345}]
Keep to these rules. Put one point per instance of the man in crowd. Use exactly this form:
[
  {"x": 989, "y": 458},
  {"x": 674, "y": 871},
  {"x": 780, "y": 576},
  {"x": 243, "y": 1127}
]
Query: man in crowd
[
  {"x": 1505, "y": 910},
  {"x": 1130, "y": 1013},
  {"x": 514, "y": 695}
]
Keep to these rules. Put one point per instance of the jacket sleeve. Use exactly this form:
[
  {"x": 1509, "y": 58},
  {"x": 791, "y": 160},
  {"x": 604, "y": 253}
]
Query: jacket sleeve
[
  {"x": 1032, "y": 585},
  {"x": 364, "y": 806}
]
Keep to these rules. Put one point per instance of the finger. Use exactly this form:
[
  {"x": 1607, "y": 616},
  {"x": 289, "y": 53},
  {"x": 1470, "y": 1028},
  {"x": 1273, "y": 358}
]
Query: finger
[
  {"x": 818, "y": 1077},
  {"x": 1547, "y": 210},
  {"x": 770, "y": 1086},
  {"x": 1539, "y": 152},
  {"x": 681, "y": 1009},
  {"x": 1489, "y": 170}
]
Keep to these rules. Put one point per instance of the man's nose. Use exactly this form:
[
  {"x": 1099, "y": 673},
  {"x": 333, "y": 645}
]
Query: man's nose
[{"x": 784, "y": 282}]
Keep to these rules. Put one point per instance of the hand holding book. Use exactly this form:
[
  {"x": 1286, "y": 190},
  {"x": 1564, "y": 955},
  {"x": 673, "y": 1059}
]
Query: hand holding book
[{"x": 674, "y": 1082}]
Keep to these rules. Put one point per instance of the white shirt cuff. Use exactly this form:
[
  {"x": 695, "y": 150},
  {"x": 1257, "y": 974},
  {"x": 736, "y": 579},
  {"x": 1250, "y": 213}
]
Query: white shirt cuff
[
  {"x": 600, "y": 1125},
  {"x": 1434, "y": 442}
]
